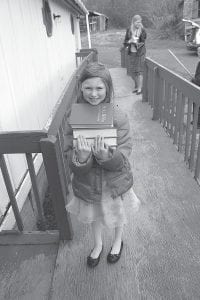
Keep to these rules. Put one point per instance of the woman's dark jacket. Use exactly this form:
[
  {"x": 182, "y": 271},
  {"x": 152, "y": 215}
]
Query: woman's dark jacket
[
  {"x": 87, "y": 177},
  {"x": 141, "y": 46},
  {"x": 196, "y": 78}
]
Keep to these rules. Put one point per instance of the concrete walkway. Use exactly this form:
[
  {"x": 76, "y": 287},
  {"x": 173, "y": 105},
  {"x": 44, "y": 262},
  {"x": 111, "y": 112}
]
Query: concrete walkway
[{"x": 161, "y": 256}]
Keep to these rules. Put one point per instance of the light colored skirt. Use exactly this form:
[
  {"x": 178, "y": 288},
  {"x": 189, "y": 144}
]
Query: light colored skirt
[{"x": 109, "y": 212}]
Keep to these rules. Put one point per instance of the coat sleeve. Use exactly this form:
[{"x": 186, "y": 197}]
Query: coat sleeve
[
  {"x": 127, "y": 38},
  {"x": 119, "y": 156},
  {"x": 196, "y": 79},
  {"x": 70, "y": 155},
  {"x": 142, "y": 39},
  {"x": 143, "y": 36}
]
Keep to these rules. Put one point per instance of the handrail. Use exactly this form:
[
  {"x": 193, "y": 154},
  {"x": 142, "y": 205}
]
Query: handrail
[
  {"x": 172, "y": 99},
  {"x": 51, "y": 143}
]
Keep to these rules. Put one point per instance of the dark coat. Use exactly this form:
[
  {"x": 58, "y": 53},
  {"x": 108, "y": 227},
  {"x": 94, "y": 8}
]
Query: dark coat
[
  {"x": 196, "y": 78},
  {"x": 87, "y": 177},
  {"x": 141, "y": 50}
]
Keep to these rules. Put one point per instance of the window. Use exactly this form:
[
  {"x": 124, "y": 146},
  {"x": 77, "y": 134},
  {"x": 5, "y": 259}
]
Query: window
[
  {"x": 72, "y": 23},
  {"x": 47, "y": 18}
]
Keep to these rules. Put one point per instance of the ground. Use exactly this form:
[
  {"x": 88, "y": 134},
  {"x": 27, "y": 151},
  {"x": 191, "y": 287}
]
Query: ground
[{"x": 108, "y": 44}]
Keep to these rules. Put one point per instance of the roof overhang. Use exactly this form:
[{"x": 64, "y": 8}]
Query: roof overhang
[
  {"x": 95, "y": 13},
  {"x": 76, "y": 7}
]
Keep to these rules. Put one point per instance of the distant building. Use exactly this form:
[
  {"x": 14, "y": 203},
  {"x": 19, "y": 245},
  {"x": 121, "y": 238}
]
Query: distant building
[
  {"x": 97, "y": 22},
  {"x": 191, "y": 9}
]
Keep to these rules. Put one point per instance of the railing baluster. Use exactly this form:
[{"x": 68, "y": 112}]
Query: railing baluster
[
  {"x": 172, "y": 119},
  {"x": 151, "y": 82},
  {"x": 167, "y": 101},
  {"x": 180, "y": 138},
  {"x": 145, "y": 84},
  {"x": 162, "y": 97},
  {"x": 165, "y": 105},
  {"x": 32, "y": 173},
  {"x": 11, "y": 194},
  {"x": 197, "y": 169},
  {"x": 194, "y": 133},
  {"x": 156, "y": 94},
  {"x": 188, "y": 132},
  {"x": 177, "y": 121}
]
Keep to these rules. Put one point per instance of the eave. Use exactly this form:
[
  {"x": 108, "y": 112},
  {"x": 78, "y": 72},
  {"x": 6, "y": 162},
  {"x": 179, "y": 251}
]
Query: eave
[{"x": 76, "y": 7}]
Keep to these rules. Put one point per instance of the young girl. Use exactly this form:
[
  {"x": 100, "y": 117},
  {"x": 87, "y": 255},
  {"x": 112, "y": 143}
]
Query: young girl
[
  {"x": 102, "y": 176},
  {"x": 135, "y": 41}
]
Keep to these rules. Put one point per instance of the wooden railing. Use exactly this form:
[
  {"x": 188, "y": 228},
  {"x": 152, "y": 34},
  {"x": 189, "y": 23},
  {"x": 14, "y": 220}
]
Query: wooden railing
[
  {"x": 51, "y": 143},
  {"x": 171, "y": 98}
]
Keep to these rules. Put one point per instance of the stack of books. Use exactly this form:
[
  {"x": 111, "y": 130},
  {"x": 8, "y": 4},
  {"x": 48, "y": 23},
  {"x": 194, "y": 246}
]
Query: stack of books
[{"x": 91, "y": 121}]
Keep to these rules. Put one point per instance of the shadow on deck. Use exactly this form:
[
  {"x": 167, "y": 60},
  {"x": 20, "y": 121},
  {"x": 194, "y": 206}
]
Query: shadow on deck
[{"x": 161, "y": 256}]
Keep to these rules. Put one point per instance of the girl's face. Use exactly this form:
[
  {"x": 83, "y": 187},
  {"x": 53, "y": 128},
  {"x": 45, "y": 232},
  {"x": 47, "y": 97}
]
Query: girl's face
[{"x": 94, "y": 90}]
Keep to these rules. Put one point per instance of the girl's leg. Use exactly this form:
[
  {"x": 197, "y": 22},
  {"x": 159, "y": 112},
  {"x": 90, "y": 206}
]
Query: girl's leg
[
  {"x": 118, "y": 239},
  {"x": 97, "y": 233}
]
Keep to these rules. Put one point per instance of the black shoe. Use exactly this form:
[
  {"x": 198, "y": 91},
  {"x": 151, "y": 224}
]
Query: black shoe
[
  {"x": 134, "y": 91},
  {"x": 113, "y": 258},
  {"x": 93, "y": 262}
]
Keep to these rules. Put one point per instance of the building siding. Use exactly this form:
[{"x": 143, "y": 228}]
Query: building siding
[{"x": 34, "y": 68}]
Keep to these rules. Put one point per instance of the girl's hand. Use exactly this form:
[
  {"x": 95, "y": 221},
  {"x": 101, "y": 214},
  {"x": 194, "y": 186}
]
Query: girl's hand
[
  {"x": 100, "y": 149},
  {"x": 83, "y": 150}
]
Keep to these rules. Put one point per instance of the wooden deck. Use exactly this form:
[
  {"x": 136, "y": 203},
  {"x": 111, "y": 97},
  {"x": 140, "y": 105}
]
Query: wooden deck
[
  {"x": 26, "y": 271},
  {"x": 161, "y": 256}
]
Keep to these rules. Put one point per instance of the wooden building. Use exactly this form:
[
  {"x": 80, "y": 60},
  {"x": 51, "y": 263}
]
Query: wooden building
[
  {"x": 191, "y": 9},
  {"x": 97, "y": 22},
  {"x": 39, "y": 39}
]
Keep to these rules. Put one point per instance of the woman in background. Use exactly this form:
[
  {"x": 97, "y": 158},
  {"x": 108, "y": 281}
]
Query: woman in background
[{"x": 135, "y": 42}]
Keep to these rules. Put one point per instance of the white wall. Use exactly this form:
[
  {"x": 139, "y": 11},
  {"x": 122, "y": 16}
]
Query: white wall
[{"x": 34, "y": 70}]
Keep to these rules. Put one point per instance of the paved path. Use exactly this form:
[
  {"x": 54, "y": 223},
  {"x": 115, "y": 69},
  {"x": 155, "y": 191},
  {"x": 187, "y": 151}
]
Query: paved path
[{"x": 161, "y": 256}]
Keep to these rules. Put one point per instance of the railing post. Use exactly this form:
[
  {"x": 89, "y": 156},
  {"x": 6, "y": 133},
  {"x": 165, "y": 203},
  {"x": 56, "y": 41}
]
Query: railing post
[
  {"x": 145, "y": 83},
  {"x": 122, "y": 50},
  {"x": 52, "y": 161},
  {"x": 95, "y": 54},
  {"x": 156, "y": 94},
  {"x": 87, "y": 52},
  {"x": 35, "y": 189}
]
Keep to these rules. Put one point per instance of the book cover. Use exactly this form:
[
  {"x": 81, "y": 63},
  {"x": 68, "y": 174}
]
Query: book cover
[
  {"x": 85, "y": 115},
  {"x": 109, "y": 134}
]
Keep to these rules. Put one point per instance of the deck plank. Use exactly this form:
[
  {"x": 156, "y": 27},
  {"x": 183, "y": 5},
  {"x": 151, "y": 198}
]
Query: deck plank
[{"x": 26, "y": 271}]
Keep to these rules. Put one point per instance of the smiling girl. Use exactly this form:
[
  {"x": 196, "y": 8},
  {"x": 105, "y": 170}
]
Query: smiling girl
[{"x": 102, "y": 176}]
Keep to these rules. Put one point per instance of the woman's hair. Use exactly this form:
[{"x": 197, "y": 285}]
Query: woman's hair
[
  {"x": 134, "y": 19},
  {"x": 96, "y": 70}
]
